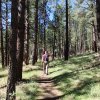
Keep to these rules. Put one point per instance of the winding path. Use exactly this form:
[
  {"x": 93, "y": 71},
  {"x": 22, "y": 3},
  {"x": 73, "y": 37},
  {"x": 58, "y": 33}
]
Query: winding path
[{"x": 49, "y": 90}]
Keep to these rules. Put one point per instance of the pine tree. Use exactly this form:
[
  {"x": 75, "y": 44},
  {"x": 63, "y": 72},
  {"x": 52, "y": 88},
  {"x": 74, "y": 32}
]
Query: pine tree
[
  {"x": 1, "y": 35},
  {"x": 98, "y": 22},
  {"x": 66, "y": 47},
  {"x": 11, "y": 88},
  {"x": 6, "y": 37},
  {"x": 21, "y": 36},
  {"x": 36, "y": 33}
]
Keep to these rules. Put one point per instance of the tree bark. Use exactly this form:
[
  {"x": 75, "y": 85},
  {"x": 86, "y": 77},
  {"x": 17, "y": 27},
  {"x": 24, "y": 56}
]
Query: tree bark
[
  {"x": 21, "y": 36},
  {"x": 54, "y": 38},
  {"x": 98, "y": 22},
  {"x": 11, "y": 88},
  {"x": 1, "y": 35},
  {"x": 6, "y": 37},
  {"x": 28, "y": 32},
  {"x": 44, "y": 5},
  {"x": 26, "y": 50},
  {"x": 36, "y": 33},
  {"x": 94, "y": 38},
  {"x": 66, "y": 46}
]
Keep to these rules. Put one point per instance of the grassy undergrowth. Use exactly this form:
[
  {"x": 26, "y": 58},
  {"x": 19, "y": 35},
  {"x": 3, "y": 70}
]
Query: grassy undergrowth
[{"x": 76, "y": 78}]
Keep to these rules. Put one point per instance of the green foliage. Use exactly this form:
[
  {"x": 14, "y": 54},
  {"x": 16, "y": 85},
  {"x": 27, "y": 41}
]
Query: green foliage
[{"x": 77, "y": 79}]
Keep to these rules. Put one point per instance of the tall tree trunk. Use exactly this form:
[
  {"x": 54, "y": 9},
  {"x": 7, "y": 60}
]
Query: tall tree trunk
[
  {"x": 59, "y": 44},
  {"x": 76, "y": 38},
  {"x": 36, "y": 33},
  {"x": 94, "y": 31},
  {"x": 39, "y": 40},
  {"x": 98, "y": 22},
  {"x": 21, "y": 36},
  {"x": 54, "y": 38},
  {"x": 6, "y": 37},
  {"x": 26, "y": 52},
  {"x": 44, "y": 35},
  {"x": 66, "y": 46},
  {"x": 94, "y": 38},
  {"x": 62, "y": 46},
  {"x": 1, "y": 35},
  {"x": 11, "y": 88},
  {"x": 44, "y": 11},
  {"x": 28, "y": 32}
]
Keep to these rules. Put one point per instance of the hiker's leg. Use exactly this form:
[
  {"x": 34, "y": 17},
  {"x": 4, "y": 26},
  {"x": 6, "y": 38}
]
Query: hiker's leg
[
  {"x": 44, "y": 67},
  {"x": 47, "y": 69}
]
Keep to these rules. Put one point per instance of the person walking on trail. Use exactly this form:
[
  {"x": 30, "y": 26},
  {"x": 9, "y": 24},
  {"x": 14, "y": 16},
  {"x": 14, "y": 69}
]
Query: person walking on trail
[{"x": 45, "y": 62}]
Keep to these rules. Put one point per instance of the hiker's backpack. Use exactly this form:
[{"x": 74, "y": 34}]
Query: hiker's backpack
[{"x": 47, "y": 59}]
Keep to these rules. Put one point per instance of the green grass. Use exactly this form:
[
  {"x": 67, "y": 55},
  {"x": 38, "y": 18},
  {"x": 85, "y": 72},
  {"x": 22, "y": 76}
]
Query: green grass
[
  {"x": 76, "y": 78},
  {"x": 25, "y": 90}
]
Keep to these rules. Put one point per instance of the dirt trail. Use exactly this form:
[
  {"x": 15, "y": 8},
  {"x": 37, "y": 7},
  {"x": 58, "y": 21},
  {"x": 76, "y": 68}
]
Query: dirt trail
[{"x": 49, "y": 90}]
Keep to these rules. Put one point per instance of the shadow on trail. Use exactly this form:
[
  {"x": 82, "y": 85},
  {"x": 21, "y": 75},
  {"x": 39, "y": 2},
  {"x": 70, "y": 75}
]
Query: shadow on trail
[
  {"x": 63, "y": 77},
  {"x": 49, "y": 90},
  {"x": 52, "y": 98},
  {"x": 20, "y": 82},
  {"x": 33, "y": 94},
  {"x": 2, "y": 76},
  {"x": 44, "y": 80},
  {"x": 25, "y": 81},
  {"x": 3, "y": 86}
]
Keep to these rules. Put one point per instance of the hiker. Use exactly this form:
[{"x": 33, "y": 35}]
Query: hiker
[
  {"x": 45, "y": 62},
  {"x": 43, "y": 52}
]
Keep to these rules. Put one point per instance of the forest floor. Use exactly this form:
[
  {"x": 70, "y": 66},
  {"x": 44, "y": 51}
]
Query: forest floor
[
  {"x": 76, "y": 79},
  {"x": 49, "y": 90}
]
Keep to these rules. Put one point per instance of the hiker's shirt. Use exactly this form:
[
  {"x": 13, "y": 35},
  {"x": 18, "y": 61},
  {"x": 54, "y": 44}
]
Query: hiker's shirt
[{"x": 45, "y": 58}]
